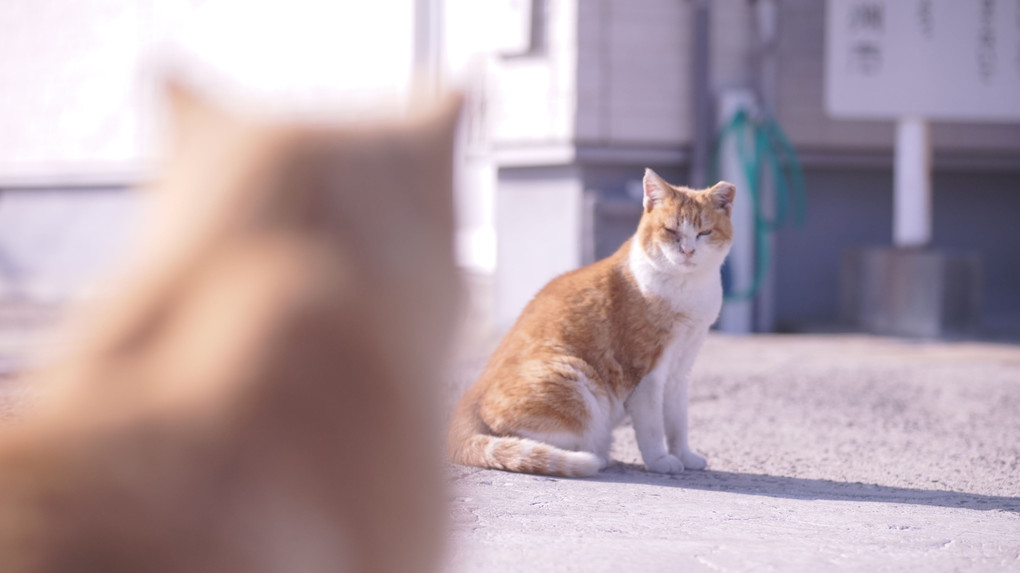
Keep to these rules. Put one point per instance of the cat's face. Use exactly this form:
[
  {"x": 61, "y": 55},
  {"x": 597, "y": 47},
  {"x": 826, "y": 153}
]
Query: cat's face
[{"x": 684, "y": 230}]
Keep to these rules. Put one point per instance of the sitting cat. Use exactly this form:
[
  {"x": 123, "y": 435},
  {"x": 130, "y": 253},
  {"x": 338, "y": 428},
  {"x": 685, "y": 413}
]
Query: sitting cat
[
  {"x": 254, "y": 393},
  {"x": 617, "y": 336}
]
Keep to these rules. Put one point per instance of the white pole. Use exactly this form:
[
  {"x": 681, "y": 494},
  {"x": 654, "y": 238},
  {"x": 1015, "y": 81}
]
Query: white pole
[
  {"x": 737, "y": 316},
  {"x": 427, "y": 54},
  {"x": 912, "y": 183}
]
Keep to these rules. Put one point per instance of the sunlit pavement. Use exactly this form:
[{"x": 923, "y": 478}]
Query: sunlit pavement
[{"x": 826, "y": 452}]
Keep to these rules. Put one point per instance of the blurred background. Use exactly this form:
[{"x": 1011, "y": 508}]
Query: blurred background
[{"x": 875, "y": 143}]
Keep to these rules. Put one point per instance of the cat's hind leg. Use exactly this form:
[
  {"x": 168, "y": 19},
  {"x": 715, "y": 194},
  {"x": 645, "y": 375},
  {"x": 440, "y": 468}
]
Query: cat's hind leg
[
  {"x": 534, "y": 440},
  {"x": 593, "y": 437}
]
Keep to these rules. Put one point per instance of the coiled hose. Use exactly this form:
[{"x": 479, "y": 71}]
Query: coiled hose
[{"x": 762, "y": 146}]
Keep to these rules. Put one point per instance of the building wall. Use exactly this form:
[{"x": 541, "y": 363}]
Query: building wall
[
  {"x": 70, "y": 104},
  {"x": 976, "y": 211},
  {"x": 633, "y": 75},
  {"x": 79, "y": 105},
  {"x": 611, "y": 72},
  {"x": 80, "y": 80},
  {"x": 634, "y": 104},
  {"x": 976, "y": 189},
  {"x": 850, "y": 207},
  {"x": 533, "y": 96},
  {"x": 539, "y": 215}
]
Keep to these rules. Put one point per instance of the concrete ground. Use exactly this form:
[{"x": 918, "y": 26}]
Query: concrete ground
[{"x": 826, "y": 452}]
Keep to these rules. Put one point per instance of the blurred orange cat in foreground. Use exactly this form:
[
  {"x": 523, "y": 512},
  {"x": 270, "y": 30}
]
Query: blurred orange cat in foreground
[{"x": 254, "y": 396}]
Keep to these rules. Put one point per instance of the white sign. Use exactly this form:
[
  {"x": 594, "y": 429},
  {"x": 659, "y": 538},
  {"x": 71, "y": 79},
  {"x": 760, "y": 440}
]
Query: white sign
[{"x": 939, "y": 59}]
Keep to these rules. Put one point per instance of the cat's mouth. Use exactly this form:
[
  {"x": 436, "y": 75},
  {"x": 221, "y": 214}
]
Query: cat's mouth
[{"x": 686, "y": 264}]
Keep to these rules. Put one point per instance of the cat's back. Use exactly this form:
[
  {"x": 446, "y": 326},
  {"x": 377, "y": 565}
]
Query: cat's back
[
  {"x": 579, "y": 297},
  {"x": 595, "y": 314}
]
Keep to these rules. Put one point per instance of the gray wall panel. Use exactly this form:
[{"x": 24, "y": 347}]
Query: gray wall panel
[{"x": 853, "y": 208}]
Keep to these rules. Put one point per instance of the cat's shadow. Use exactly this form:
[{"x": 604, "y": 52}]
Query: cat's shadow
[{"x": 804, "y": 489}]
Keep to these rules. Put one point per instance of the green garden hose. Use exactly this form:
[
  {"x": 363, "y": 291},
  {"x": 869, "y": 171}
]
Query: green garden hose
[{"x": 761, "y": 145}]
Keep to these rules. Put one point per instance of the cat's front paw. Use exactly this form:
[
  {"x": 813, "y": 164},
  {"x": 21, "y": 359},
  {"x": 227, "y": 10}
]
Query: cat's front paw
[
  {"x": 693, "y": 461},
  {"x": 667, "y": 464}
]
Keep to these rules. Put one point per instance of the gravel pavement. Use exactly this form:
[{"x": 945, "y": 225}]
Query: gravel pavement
[{"x": 826, "y": 452}]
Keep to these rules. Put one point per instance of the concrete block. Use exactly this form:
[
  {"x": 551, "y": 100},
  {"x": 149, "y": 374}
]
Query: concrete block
[
  {"x": 538, "y": 233},
  {"x": 911, "y": 292}
]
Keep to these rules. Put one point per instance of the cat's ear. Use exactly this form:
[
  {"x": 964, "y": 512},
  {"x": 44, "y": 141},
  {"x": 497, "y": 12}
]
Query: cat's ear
[
  {"x": 656, "y": 189},
  {"x": 433, "y": 124},
  {"x": 423, "y": 144},
  {"x": 192, "y": 114},
  {"x": 722, "y": 194},
  {"x": 444, "y": 113}
]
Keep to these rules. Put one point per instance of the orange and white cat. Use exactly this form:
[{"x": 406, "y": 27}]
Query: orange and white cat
[
  {"x": 254, "y": 395},
  {"x": 613, "y": 338}
]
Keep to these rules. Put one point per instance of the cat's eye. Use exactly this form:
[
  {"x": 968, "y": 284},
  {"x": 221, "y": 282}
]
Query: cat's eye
[
  {"x": 705, "y": 233},
  {"x": 670, "y": 231}
]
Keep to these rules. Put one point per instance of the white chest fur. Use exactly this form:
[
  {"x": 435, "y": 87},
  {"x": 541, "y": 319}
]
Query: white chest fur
[
  {"x": 696, "y": 296},
  {"x": 678, "y": 356}
]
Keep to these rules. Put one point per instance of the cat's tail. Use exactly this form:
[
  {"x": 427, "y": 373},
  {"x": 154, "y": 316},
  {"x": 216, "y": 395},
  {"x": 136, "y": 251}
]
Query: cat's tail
[
  {"x": 524, "y": 455},
  {"x": 471, "y": 445}
]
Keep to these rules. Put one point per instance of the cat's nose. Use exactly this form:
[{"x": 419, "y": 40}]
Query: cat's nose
[{"x": 686, "y": 251}]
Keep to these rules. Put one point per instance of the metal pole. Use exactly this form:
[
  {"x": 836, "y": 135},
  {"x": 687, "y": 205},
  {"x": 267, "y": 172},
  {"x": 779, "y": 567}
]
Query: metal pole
[
  {"x": 767, "y": 25},
  {"x": 700, "y": 153}
]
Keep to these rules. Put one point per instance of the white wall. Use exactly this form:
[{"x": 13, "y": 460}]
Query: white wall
[
  {"x": 539, "y": 217},
  {"x": 533, "y": 96},
  {"x": 633, "y": 72},
  {"x": 78, "y": 104},
  {"x": 77, "y": 100},
  {"x": 69, "y": 95}
]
